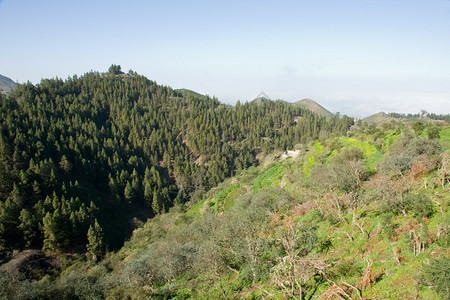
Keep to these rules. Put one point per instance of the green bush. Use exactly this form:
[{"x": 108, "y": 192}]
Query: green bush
[
  {"x": 405, "y": 149},
  {"x": 433, "y": 132},
  {"x": 348, "y": 269},
  {"x": 420, "y": 205},
  {"x": 388, "y": 225},
  {"x": 444, "y": 237},
  {"x": 437, "y": 275}
]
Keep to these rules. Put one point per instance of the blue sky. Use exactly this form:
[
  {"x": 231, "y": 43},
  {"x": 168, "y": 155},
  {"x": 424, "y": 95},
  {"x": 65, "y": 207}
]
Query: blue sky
[{"x": 353, "y": 56}]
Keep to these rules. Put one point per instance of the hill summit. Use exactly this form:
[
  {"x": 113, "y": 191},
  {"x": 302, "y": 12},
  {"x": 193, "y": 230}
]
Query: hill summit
[
  {"x": 377, "y": 118},
  {"x": 314, "y": 107},
  {"x": 262, "y": 97}
]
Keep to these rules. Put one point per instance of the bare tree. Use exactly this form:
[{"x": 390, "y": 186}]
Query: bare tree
[{"x": 294, "y": 269}]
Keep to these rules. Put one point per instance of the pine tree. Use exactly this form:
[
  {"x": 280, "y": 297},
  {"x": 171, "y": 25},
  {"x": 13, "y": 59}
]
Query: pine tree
[
  {"x": 156, "y": 203},
  {"x": 56, "y": 233},
  {"x": 95, "y": 246},
  {"x": 65, "y": 164},
  {"x": 128, "y": 191},
  {"x": 28, "y": 227},
  {"x": 9, "y": 221}
]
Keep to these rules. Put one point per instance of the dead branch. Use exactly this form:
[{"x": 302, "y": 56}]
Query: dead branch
[
  {"x": 397, "y": 255},
  {"x": 368, "y": 276}
]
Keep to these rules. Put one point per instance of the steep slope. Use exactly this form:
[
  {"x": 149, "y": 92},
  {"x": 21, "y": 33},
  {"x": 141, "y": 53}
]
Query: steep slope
[
  {"x": 313, "y": 106},
  {"x": 6, "y": 84},
  {"x": 326, "y": 224},
  {"x": 85, "y": 160},
  {"x": 278, "y": 232}
]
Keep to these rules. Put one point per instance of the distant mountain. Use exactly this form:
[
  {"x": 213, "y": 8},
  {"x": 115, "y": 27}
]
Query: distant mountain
[
  {"x": 378, "y": 118},
  {"x": 260, "y": 100},
  {"x": 6, "y": 84},
  {"x": 314, "y": 107},
  {"x": 262, "y": 97}
]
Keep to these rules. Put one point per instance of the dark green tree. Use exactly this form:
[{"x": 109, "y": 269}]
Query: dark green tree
[
  {"x": 96, "y": 244},
  {"x": 115, "y": 70},
  {"x": 56, "y": 233},
  {"x": 29, "y": 227}
]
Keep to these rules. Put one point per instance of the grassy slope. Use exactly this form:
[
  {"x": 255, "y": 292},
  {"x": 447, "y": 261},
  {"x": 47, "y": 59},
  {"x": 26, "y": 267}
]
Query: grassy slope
[
  {"x": 371, "y": 153},
  {"x": 445, "y": 137},
  {"x": 371, "y": 254},
  {"x": 317, "y": 149}
]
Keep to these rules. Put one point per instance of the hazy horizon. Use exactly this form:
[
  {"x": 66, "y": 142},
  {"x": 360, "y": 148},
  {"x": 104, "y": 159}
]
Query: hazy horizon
[{"x": 355, "y": 57}]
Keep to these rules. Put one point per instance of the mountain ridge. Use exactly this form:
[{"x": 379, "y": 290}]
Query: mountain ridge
[
  {"x": 382, "y": 117},
  {"x": 305, "y": 103},
  {"x": 6, "y": 84}
]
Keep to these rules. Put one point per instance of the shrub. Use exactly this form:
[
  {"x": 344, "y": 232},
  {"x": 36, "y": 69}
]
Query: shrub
[
  {"x": 437, "y": 275},
  {"x": 407, "y": 149},
  {"x": 420, "y": 205},
  {"x": 388, "y": 225},
  {"x": 395, "y": 163},
  {"x": 348, "y": 269},
  {"x": 418, "y": 127},
  {"x": 433, "y": 132},
  {"x": 349, "y": 169},
  {"x": 420, "y": 146},
  {"x": 444, "y": 232}
]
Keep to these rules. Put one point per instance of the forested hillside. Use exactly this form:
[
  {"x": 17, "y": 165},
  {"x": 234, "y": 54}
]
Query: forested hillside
[
  {"x": 85, "y": 160},
  {"x": 361, "y": 216}
]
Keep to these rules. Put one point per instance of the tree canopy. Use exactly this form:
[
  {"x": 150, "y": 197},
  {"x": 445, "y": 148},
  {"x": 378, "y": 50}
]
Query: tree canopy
[{"x": 114, "y": 148}]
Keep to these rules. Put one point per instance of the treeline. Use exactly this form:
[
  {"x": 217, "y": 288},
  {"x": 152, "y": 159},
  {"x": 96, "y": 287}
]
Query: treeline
[
  {"x": 421, "y": 115},
  {"x": 83, "y": 159}
]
